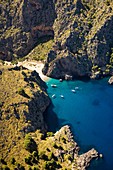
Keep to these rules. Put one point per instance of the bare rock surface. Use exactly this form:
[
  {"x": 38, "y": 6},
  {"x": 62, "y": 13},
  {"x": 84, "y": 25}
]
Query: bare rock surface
[
  {"x": 110, "y": 80},
  {"x": 81, "y": 161}
]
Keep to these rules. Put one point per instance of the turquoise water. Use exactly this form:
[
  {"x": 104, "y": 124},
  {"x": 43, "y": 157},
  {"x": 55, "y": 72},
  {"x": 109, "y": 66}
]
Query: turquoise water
[{"x": 89, "y": 112}]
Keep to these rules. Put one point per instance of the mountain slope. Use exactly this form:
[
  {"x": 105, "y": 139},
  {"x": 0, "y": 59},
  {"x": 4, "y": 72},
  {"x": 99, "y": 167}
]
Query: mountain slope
[
  {"x": 83, "y": 39},
  {"x": 23, "y": 25}
]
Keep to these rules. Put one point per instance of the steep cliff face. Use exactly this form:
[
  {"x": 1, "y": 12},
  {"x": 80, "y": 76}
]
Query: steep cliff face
[
  {"x": 23, "y": 24},
  {"x": 83, "y": 39},
  {"x": 82, "y": 31},
  {"x": 23, "y": 101}
]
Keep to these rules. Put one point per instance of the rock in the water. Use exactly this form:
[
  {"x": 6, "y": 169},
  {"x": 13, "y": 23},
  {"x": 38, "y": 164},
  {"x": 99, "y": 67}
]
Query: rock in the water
[
  {"x": 83, "y": 161},
  {"x": 111, "y": 80},
  {"x": 68, "y": 77}
]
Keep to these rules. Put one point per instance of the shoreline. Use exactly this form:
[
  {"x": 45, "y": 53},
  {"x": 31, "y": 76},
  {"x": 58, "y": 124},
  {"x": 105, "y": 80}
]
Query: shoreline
[{"x": 32, "y": 65}]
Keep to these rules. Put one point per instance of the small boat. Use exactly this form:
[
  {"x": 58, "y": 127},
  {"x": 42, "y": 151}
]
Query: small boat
[
  {"x": 60, "y": 80},
  {"x": 53, "y": 85},
  {"x": 76, "y": 88},
  {"x": 53, "y": 96},
  {"x": 61, "y": 96},
  {"x": 73, "y": 90}
]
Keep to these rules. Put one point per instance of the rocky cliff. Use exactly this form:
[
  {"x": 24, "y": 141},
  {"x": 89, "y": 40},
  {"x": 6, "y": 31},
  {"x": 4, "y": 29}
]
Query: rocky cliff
[
  {"x": 82, "y": 31},
  {"x": 23, "y": 101},
  {"x": 23, "y": 25},
  {"x": 54, "y": 151},
  {"x": 83, "y": 39}
]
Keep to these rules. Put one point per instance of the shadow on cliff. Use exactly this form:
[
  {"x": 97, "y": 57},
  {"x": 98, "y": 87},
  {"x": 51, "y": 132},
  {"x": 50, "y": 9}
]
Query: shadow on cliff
[
  {"x": 37, "y": 104},
  {"x": 105, "y": 34},
  {"x": 39, "y": 22},
  {"x": 53, "y": 122},
  {"x": 51, "y": 119}
]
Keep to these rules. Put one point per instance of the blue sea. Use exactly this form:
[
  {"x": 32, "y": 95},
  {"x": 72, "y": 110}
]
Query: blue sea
[{"x": 89, "y": 112}]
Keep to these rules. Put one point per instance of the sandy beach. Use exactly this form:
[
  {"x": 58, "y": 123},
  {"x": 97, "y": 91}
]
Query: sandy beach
[{"x": 32, "y": 65}]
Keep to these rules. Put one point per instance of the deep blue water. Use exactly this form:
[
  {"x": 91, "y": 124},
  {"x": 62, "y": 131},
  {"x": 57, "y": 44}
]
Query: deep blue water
[{"x": 89, "y": 112}]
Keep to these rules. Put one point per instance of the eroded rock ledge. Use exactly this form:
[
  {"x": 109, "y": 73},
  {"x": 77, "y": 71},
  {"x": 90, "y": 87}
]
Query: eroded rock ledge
[{"x": 81, "y": 161}]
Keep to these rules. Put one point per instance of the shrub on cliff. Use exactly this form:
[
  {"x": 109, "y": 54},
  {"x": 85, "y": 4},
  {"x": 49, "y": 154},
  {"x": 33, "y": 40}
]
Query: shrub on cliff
[
  {"x": 42, "y": 155},
  {"x": 5, "y": 168},
  {"x": 50, "y": 134},
  {"x": 21, "y": 91},
  {"x": 51, "y": 165},
  {"x": 30, "y": 144},
  {"x": 13, "y": 160},
  {"x": 28, "y": 160}
]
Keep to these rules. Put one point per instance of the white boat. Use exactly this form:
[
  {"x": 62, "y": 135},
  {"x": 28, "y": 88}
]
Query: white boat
[
  {"x": 73, "y": 90},
  {"x": 53, "y": 96},
  {"x": 76, "y": 88},
  {"x": 60, "y": 80},
  {"x": 53, "y": 85},
  {"x": 61, "y": 96}
]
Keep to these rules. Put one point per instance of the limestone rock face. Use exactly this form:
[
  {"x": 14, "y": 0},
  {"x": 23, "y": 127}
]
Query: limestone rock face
[
  {"x": 81, "y": 161},
  {"x": 23, "y": 25},
  {"x": 83, "y": 39}
]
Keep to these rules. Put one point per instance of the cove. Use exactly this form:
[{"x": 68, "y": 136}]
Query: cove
[{"x": 89, "y": 112}]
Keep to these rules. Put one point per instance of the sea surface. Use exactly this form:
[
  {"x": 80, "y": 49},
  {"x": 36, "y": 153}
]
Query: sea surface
[{"x": 89, "y": 112}]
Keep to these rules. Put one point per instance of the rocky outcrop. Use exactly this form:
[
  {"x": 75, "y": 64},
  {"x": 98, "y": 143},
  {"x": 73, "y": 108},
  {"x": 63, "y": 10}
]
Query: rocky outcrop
[
  {"x": 26, "y": 100},
  {"x": 24, "y": 23},
  {"x": 83, "y": 39},
  {"x": 81, "y": 161},
  {"x": 84, "y": 160},
  {"x": 110, "y": 80}
]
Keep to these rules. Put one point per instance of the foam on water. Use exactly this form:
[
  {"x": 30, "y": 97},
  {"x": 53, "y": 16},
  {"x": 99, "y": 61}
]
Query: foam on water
[{"x": 89, "y": 112}]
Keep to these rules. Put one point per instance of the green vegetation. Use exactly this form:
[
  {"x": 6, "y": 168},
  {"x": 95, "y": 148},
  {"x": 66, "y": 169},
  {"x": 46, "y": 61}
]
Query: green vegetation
[
  {"x": 13, "y": 160},
  {"x": 22, "y": 92},
  {"x": 95, "y": 68},
  {"x": 50, "y": 134},
  {"x": 40, "y": 51},
  {"x": 20, "y": 150},
  {"x": 30, "y": 144}
]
